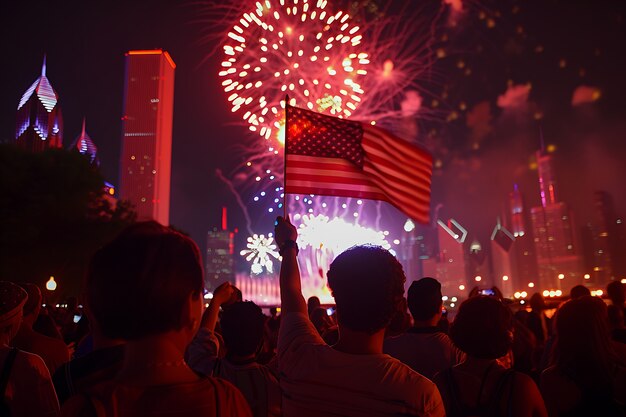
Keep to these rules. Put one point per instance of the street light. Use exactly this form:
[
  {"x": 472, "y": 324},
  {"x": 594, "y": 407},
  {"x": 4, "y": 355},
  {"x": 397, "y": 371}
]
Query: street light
[{"x": 51, "y": 285}]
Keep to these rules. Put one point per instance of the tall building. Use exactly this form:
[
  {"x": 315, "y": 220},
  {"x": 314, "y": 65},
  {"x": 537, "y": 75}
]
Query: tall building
[
  {"x": 84, "y": 145},
  {"x": 147, "y": 133},
  {"x": 450, "y": 265},
  {"x": 523, "y": 251},
  {"x": 39, "y": 122},
  {"x": 503, "y": 260},
  {"x": 554, "y": 235},
  {"x": 605, "y": 242},
  {"x": 220, "y": 250}
]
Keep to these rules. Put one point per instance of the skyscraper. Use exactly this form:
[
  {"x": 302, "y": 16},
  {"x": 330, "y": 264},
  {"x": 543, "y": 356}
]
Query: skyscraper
[
  {"x": 220, "y": 250},
  {"x": 39, "y": 123},
  {"x": 450, "y": 267},
  {"x": 554, "y": 235},
  {"x": 147, "y": 133},
  {"x": 85, "y": 146},
  {"x": 523, "y": 251},
  {"x": 503, "y": 260}
]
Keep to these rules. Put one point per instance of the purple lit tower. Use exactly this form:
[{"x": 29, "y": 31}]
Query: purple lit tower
[
  {"x": 85, "y": 146},
  {"x": 555, "y": 241},
  {"x": 39, "y": 121}
]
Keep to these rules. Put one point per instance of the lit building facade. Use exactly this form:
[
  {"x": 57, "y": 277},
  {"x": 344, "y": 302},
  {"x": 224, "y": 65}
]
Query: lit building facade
[
  {"x": 147, "y": 133},
  {"x": 449, "y": 266},
  {"x": 220, "y": 255},
  {"x": 523, "y": 249},
  {"x": 39, "y": 123},
  {"x": 605, "y": 241},
  {"x": 503, "y": 260},
  {"x": 558, "y": 259}
]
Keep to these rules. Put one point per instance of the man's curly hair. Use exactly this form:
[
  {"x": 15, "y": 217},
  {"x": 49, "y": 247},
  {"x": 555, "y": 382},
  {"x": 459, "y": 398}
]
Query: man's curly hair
[{"x": 368, "y": 285}]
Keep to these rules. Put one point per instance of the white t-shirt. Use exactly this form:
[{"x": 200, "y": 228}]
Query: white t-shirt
[
  {"x": 318, "y": 380},
  {"x": 426, "y": 351}
]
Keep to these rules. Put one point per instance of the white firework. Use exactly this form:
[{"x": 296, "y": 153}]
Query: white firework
[{"x": 260, "y": 251}]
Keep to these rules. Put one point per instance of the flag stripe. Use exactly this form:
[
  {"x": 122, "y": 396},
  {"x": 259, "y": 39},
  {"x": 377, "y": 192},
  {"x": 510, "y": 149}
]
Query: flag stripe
[
  {"x": 394, "y": 143},
  {"x": 331, "y": 156},
  {"x": 405, "y": 193},
  {"x": 387, "y": 168},
  {"x": 400, "y": 162}
]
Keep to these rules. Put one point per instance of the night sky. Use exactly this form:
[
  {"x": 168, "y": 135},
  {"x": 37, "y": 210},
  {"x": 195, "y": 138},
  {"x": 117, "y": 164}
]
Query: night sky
[{"x": 503, "y": 70}]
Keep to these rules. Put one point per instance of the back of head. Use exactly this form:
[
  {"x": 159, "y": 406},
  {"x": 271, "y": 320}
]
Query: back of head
[
  {"x": 537, "y": 302},
  {"x": 12, "y": 300},
  {"x": 483, "y": 327},
  {"x": 615, "y": 291},
  {"x": 368, "y": 284},
  {"x": 139, "y": 284},
  {"x": 33, "y": 303},
  {"x": 582, "y": 330},
  {"x": 424, "y": 298},
  {"x": 578, "y": 291},
  {"x": 242, "y": 328},
  {"x": 583, "y": 341}
]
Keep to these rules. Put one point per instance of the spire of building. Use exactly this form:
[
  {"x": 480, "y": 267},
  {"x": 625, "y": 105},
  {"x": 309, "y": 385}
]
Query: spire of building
[
  {"x": 39, "y": 121},
  {"x": 85, "y": 145}
]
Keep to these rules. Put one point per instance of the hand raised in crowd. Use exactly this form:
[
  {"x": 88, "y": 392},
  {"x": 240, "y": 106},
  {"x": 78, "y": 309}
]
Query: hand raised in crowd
[
  {"x": 223, "y": 294},
  {"x": 284, "y": 231}
]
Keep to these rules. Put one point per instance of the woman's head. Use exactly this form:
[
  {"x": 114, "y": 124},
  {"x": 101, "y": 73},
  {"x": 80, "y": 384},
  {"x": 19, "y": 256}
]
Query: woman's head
[
  {"x": 483, "y": 328},
  {"x": 582, "y": 333},
  {"x": 145, "y": 282}
]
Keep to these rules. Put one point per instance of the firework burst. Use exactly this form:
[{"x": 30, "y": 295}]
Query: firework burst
[
  {"x": 297, "y": 48},
  {"x": 260, "y": 250}
]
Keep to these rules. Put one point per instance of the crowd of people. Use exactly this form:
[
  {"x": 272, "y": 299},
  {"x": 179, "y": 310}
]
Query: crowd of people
[{"x": 143, "y": 346}]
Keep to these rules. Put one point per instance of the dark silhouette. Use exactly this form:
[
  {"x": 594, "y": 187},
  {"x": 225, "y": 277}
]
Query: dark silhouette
[
  {"x": 353, "y": 377},
  {"x": 587, "y": 376},
  {"x": 424, "y": 347},
  {"x": 481, "y": 385},
  {"x": 242, "y": 327},
  {"x": 145, "y": 288},
  {"x": 25, "y": 385}
]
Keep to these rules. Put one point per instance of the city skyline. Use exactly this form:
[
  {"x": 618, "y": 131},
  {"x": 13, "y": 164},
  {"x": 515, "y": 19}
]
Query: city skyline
[{"x": 206, "y": 135}]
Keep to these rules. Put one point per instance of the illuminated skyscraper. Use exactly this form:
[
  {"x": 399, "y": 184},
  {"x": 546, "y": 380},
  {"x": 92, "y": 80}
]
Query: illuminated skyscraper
[
  {"x": 503, "y": 260},
  {"x": 85, "y": 146},
  {"x": 523, "y": 251},
  {"x": 147, "y": 133},
  {"x": 450, "y": 266},
  {"x": 39, "y": 121},
  {"x": 554, "y": 235},
  {"x": 220, "y": 249}
]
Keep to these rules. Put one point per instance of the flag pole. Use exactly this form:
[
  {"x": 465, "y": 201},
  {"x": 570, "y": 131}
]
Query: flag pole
[{"x": 285, "y": 157}]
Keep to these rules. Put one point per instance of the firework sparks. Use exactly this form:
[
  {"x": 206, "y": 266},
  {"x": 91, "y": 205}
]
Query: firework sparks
[
  {"x": 296, "y": 48},
  {"x": 260, "y": 251}
]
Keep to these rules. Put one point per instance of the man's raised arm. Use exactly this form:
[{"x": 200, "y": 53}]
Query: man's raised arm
[{"x": 291, "y": 298}]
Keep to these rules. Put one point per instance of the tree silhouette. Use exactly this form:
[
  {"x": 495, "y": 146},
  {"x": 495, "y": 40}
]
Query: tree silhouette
[{"x": 53, "y": 215}]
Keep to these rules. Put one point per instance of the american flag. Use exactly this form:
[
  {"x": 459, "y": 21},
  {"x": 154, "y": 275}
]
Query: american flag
[{"x": 329, "y": 156}]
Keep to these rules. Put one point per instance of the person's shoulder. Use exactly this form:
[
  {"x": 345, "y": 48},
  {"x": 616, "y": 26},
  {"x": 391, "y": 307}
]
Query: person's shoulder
[
  {"x": 26, "y": 362},
  {"x": 402, "y": 372}
]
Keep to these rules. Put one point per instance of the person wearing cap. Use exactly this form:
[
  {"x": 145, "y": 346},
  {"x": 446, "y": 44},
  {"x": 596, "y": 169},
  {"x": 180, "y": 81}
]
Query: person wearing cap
[
  {"x": 54, "y": 352},
  {"x": 25, "y": 385},
  {"x": 424, "y": 347}
]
